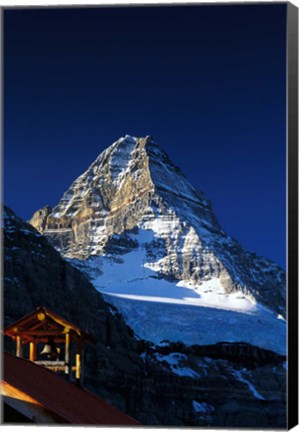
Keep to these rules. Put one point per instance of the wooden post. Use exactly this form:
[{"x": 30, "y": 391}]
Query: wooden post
[
  {"x": 67, "y": 358},
  {"x": 79, "y": 362},
  {"x": 78, "y": 367},
  {"x": 32, "y": 351},
  {"x": 19, "y": 347}
]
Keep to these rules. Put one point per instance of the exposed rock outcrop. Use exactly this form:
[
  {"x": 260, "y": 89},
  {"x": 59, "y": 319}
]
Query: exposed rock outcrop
[{"x": 171, "y": 386}]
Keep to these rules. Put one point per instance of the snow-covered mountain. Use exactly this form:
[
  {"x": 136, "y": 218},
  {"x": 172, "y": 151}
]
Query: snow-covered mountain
[{"x": 150, "y": 241}]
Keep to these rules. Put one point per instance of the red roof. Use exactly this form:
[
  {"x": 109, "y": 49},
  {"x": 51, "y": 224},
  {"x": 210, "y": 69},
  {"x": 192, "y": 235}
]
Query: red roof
[{"x": 66, "y": 400}]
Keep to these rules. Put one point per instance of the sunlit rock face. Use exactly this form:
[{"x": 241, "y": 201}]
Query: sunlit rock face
[{"x": 133, "y": 187}]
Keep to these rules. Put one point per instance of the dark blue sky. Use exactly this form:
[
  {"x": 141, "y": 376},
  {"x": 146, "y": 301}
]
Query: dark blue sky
[{"x": 207, "y": 82}]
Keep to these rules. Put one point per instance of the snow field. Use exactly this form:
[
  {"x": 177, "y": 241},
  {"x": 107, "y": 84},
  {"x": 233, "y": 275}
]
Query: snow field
[{"x": 158, "y": 309}]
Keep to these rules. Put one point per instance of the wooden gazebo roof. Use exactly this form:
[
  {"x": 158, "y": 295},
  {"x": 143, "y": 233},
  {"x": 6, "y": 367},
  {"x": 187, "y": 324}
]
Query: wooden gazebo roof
[{"x": 42, "y": 324}]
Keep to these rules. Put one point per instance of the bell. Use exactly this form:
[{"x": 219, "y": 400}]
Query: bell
[{"x": 47, "y": 350}]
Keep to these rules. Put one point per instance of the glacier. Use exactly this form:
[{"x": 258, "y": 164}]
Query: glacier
[{"x": 158, "y": 309}]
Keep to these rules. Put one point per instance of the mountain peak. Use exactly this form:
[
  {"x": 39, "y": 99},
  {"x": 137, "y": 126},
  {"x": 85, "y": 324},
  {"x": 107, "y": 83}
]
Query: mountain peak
[
  {"x": 127, "y": 138},
  {"x": 133, "y": 185},
  {"x": 146, "y": 142},
  {"x": 123, "y": 151},
  {"x": 137, "y": 158},
  {"x": 134, "y": 139},
  {"x": 132, "y": 171}
]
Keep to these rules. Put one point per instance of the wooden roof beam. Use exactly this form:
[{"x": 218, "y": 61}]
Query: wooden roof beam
[{"x": 39, "y": 333}]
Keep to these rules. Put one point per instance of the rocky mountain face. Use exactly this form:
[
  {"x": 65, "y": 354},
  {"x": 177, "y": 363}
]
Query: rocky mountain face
[
  {"x": 133, "y": 185},
  {"x": 219, "y": 385},
  {"x": 36, "y": 275}
]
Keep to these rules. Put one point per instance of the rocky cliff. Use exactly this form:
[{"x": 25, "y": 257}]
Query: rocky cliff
[{"x": 229, "y": 385}]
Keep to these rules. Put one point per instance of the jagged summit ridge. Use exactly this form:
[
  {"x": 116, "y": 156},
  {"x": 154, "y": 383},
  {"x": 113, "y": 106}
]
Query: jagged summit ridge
[
  {"x": 140, "y": 161},
  {"x": 134, "y": 187},
  {"x": 128, "y": 172}
]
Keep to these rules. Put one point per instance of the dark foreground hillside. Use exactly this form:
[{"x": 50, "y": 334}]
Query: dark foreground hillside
[{"x": 221, "y": 385}]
